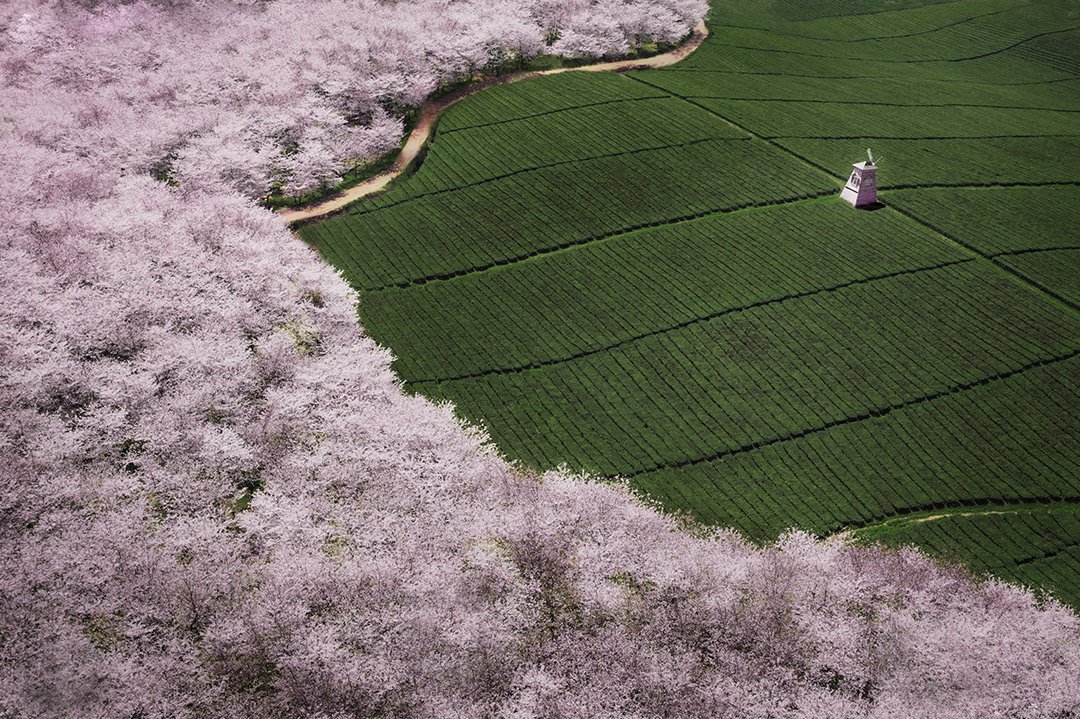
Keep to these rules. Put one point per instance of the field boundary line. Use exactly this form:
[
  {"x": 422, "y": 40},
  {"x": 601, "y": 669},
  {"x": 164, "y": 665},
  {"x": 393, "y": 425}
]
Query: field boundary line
[
  {"x": 547, "y": 113},
  {"x": 688, "y": 323},
  {"x": 541, "y": 252},
  {"x": 966, "y": 58},
  {"x": 980, "y": 185},
  {"x": 912, "y": 513},
  {"x": 1038, "y": 285},
  {"x": 537, "y": 168},
  {"x": 1069, "y": 305},
  {"x": 946, "y": 26},
  {"x": 883, "y": 11},
  {"x": 431, "y": 110},
  {"x": 1047, "y": 555},
  {"x": 939, "y": 138},
  {"x": 1071, "y": 78},
  {"x": 1030, "y": 250},
  {"x": 873, "y": 103},
  {"x": 875, "y": 413},
  {"x": 731, "y": 123}
]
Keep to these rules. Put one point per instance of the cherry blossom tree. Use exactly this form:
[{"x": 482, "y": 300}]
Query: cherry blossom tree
[
  {"x": 246, "y": 95},
  {"x": 215, "y": 499}
]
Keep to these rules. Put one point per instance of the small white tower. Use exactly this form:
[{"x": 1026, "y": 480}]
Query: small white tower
[{"x": 861, "y": 187}]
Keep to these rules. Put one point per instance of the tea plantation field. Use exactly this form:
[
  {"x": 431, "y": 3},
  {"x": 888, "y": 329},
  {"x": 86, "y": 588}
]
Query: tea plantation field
[{"x": 651, "y": 276}]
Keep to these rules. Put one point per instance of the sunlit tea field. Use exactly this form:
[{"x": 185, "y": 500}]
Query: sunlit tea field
[{"x": 651, "y": 276}]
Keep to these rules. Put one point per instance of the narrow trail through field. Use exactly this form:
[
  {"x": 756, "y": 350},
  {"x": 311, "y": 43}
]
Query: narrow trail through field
[
  {"x": 874, "y": 103},
  {"x": 549, "y": 113},
  {"x": 965, "y": 508},
  {"x": 1010, "y": 271},
  {"x": 430, "y": 112}
]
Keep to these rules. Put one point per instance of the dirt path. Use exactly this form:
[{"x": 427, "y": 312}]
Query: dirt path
[
  {"x": 920, "y": 516},
  {"x": 431, "y": 110}
]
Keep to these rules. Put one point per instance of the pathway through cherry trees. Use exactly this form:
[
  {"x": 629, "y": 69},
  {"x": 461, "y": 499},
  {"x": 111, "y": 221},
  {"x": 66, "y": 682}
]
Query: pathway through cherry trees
[{"x": 430, "y": 112}]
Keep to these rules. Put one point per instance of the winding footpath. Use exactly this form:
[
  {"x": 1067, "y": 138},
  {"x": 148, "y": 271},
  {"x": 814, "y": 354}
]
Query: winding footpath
[
  {"x": 430, "y": 112},
  {"x": 980, "y": 508}
]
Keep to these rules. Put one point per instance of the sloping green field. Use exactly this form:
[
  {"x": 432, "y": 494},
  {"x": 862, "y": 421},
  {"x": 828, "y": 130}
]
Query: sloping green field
[{"x": 651, "y": 275}]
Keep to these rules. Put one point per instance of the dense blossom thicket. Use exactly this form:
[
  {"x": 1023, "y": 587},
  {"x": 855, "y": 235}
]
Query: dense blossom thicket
[
  {"x": 215, "y": 500},
  {"x": 277, "y": 94}
]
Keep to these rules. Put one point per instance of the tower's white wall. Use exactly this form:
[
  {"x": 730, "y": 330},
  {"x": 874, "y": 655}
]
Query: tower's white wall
[{"x": 861, "y": 187}]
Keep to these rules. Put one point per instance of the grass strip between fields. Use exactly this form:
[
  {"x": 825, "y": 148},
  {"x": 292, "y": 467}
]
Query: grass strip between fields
[
  {"x": 852, "y": 41},
  {"x": 870, "y": 103},
  {"x": 871, "y": 414},
  {"x": 945, "y": 510},
  {"x": 537, "y": 168},
  {"x": 745, "y": 207},
  {"x": 966, "y": 58},
  {"x": 756, "y": 73},
  {"x": 1006, "y": 269},
  {"x": 688, "y": 323},
  {"x": 546, "y": 113}
]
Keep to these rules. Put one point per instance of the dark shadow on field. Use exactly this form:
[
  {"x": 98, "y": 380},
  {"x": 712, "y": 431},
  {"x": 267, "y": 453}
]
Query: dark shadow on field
[{"x": 873, "y": 207}]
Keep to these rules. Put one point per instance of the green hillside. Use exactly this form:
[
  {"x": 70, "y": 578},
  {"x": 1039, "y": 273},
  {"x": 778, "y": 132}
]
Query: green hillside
[{"x": 651, "y": 275}]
